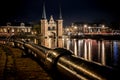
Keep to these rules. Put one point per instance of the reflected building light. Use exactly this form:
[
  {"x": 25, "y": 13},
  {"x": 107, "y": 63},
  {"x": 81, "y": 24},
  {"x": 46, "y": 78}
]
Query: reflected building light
[
  {"x": 68, "y": 44},
  {"x": 80, "y": 41},
  {"x": 99, "y": 52},
  {"x": 89, "y": 50},
  {"x": 79, "y": 47},
  {"x": 103, "y": 57},
  {"x": 75, "y": 47},
  {"x": 85, "y": 50}
]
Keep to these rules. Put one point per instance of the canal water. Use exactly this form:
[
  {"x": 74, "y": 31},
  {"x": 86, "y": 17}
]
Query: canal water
[{"x": 104, "y": 52}]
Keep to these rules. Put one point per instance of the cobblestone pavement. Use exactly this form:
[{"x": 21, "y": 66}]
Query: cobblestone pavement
[{"x": 16, "y": 67}]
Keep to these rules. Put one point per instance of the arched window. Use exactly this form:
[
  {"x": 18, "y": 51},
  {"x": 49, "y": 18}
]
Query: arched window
[
  {"x": 48, "y": 28},
  {"x": 53, "y": 28}
]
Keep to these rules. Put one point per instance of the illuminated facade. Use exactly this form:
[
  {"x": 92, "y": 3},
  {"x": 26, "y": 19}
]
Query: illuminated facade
[
  {"x": 51, "y": 29},
  {"x": 14, "y": 30},
  {"x": 87, "y": 29}
]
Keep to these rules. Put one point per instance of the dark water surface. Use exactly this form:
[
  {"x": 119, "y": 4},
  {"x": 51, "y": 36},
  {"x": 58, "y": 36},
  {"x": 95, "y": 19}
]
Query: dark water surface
[{"x": 105, "y": 52}]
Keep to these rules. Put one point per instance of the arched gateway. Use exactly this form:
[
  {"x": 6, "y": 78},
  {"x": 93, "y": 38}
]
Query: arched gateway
[{"x": 51, "y": 29}]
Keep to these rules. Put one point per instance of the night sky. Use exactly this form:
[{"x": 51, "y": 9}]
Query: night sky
[{"x": 72, "y": 10}]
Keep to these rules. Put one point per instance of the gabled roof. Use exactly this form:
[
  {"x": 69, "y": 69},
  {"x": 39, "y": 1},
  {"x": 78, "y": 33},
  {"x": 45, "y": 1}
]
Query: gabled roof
[{"x": 51, "y": 21}]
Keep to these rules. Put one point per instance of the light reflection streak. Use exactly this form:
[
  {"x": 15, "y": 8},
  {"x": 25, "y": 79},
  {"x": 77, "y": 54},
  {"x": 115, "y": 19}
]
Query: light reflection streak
[
  {"x": 103, "y": 57},
  {"x": 85, "y": 49},
  {"x": 89, "y": 50},
  {"x": 99, "y": 51},
  {"x": 75, "y": 47},
  {"x": 95, "y": 50},
  {"x": 80, "y": 47},
  {"x": 68, "y": 44}
]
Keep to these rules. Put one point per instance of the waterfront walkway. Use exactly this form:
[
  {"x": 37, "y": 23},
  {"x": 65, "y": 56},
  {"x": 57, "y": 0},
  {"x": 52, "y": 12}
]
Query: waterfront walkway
[{"x": 13, "y": 66}]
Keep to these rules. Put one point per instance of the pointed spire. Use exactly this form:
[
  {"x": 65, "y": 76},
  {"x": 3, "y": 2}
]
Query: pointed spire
[
  {"x": 44, "y": 12},
  {"x": 60, "y": 14},
  {"x": 51, "y": 21},
  {"x": 51, "y": 18}
]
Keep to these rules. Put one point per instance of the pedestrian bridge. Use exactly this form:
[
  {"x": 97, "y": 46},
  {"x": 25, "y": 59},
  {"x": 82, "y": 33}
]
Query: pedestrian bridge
[{"x": 65, "y": 63}]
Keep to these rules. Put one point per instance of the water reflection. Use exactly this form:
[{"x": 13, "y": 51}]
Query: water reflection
[
  {"x": 105, "y": 52},
  {"x": 85, "y": 49},
  {"x": 68, "y": 44},
  {"x": 75, "y": 47},
  {"x": 89, "y": 50},
  {"x": 116, "y": 52},
  {"x": 80, "y": 48}
]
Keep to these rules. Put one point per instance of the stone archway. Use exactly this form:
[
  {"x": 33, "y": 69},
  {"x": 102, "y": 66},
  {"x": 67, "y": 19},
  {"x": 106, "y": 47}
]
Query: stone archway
[
  {"x": 54, "y": 39},
  {"x": 54, "y": 35}
]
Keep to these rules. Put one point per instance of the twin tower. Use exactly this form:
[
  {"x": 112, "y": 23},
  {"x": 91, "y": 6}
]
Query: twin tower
[{"x": 52, "y": 30}]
